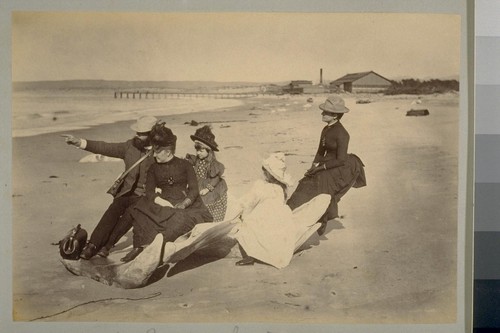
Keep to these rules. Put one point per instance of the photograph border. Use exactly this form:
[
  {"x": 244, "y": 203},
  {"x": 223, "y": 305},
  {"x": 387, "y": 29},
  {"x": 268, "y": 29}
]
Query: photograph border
[{"x": 464, "y": 8}]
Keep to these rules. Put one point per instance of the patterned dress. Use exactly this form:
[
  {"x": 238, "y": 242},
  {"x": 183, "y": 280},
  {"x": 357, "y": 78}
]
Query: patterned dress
[{"x": 209, "y": 173}]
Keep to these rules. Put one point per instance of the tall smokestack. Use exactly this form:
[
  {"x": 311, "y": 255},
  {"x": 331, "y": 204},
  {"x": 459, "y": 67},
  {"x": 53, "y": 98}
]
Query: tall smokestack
[{"x": 321, "y": 76}]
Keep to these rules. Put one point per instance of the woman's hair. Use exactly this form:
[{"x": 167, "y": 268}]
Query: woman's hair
[
  {"x": 270, "y": 179},
  {"x": 210, "y": 151},
  {"x": 211, "y": 154}
]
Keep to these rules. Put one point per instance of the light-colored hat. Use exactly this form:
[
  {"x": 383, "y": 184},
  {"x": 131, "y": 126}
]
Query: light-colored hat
[
  {"x": 275, "y": 165},
  {"x": 144, "y": 124},
  {"x": 334, "y": 104}
]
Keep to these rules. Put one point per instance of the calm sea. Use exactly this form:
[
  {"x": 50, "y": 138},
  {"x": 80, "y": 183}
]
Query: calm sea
[{"x": 47, "y": 111}]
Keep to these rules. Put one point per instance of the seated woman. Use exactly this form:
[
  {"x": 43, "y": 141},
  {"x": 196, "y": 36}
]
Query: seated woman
[
  {"x": 270, "y": 232},
  {"x": 178, "y": 208},
  {"x": 333, "y": 171}
]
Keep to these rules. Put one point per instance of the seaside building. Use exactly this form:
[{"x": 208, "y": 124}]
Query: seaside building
[
  {"x": 303, "y": 87},
  {"x": 368, "y": 82}
]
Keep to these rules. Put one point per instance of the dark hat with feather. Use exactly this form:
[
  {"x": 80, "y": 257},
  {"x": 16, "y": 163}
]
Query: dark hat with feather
[
  {"x": 162, "y": 136},
  {"x": 204, "y": 134}
]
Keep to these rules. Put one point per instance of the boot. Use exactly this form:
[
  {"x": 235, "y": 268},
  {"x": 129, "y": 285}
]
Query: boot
[
  {"x": 322, "y": 228},
  {"x": 88, "y": 251}
]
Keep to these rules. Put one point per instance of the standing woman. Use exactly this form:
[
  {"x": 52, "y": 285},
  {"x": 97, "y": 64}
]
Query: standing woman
[
  {"x": 209, "y": 171},
  {"x": 333, "y": 170}
]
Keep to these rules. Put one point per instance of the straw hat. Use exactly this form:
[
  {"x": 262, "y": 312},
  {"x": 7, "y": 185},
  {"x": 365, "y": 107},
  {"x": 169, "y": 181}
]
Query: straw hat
[
  {"x": 275, "y": 165},
  {"x": 144, "y": 124},
  {"x": 204, "y": 135},
  {"x": 334, "y": 104}
]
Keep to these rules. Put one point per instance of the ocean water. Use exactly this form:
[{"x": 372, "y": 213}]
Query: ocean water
[{"x": 47, "y": 111}]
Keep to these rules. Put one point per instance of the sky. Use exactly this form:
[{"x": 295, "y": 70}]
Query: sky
[{"x": 250, "y": 47}]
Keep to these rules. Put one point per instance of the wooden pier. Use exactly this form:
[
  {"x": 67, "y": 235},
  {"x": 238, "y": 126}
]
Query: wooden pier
[{"x": 165, "y": 95}]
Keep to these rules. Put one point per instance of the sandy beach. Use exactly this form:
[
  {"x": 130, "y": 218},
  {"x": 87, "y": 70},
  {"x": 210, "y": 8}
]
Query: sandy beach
[{"x": 390, "y": 258}]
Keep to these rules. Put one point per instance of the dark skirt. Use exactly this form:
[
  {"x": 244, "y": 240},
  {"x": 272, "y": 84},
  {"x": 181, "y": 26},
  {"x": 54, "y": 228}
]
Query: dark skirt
[
  {"x": 151, "y": 219},
  {"x": 334, "y": 181}
]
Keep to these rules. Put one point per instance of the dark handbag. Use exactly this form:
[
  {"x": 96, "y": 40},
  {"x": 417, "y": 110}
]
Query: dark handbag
[
  {"x": 115, "y": 188},
  {"x": 72, "y": 245}
]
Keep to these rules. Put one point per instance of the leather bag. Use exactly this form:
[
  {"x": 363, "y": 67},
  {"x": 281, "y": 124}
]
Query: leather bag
[{"x": 72, "y": 244}]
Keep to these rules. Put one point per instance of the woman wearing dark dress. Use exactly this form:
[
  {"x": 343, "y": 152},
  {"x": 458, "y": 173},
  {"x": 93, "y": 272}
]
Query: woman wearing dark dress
[
  {"x": 177, "y": 208},
  {"x": 333, "y": 171}
]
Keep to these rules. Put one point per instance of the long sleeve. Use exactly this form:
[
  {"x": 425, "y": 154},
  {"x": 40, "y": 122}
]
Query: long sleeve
[
  {"x": 117, "y": 150},
  {"x": 341, "y": 158},
  {"x": 215, "y": 174},
  {"x": 192, "y": 190},
  {"x": 321, "y": 148},
  {"x": 252, "y": 198},
  {"x": 333, "y": 146},
  {"x": 151, "y": 183}
]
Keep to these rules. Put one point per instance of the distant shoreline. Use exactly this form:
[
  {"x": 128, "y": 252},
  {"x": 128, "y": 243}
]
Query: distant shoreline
[{"x": 244, "y": 103}]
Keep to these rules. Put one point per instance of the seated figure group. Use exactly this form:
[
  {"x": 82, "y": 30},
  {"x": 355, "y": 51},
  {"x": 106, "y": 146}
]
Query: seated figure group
[{"x": 164, "y": 194}]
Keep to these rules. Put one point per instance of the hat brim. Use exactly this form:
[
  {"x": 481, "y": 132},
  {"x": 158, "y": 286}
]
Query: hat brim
[
  {"x": 323, "y": 107},
  {"x": 210, "y": 144},
  {"x": 140, "y": 129},
  {"x": 287, "y": 182}
]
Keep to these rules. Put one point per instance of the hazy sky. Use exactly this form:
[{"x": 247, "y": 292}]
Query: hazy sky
[{"x": 260, "y": 47}]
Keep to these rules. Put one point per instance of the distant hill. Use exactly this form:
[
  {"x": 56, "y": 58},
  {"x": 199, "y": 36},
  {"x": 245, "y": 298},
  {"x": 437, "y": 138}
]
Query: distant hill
[{"x": 131, "y": 85}]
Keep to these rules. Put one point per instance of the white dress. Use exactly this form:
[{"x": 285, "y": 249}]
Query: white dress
[{"x": 270, "y": 232}]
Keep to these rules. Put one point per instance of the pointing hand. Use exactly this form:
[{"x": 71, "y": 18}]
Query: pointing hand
[{"x": 71, "y": 140}]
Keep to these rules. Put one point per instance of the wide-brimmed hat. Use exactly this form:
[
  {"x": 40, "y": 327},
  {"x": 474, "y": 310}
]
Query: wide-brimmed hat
[
  {"x": 275, "y": 165},
  {"x": 162, "y": 136},
  {"x": 144, "y": 124},
  {"x": 334, "y": 104},
  {"x": 204, "y": 134}
]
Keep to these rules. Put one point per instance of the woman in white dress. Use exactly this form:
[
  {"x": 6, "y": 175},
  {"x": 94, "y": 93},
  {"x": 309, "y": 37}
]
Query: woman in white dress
[{"x": 270, "y": 232}]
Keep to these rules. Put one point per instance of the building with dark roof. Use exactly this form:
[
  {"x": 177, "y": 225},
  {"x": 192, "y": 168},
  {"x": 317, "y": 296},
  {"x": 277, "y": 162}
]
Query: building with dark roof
[{"x": 361, "y": 82}]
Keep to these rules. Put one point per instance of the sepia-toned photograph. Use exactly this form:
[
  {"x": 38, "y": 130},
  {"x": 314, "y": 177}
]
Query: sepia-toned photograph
[{"x": 236, "y": 167}]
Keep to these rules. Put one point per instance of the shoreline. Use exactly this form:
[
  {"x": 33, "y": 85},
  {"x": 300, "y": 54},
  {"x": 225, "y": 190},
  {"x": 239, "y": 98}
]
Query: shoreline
[
  {"x": 85, "y": 121},
  {"x": 85, "y": 124}
]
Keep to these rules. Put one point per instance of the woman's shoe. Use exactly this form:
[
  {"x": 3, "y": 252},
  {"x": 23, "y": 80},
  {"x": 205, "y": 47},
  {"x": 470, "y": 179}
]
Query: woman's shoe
[
  {"x": 322, "y": 228},
  {"x": 245, "y": 261},
  {"x": 88, "y": 251},
  {"x": 132, "y": 254}
]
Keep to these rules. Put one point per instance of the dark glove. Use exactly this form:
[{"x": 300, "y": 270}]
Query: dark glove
[
  {"x": 312, "y": 171},
  {"x": 184, "y": 204}
]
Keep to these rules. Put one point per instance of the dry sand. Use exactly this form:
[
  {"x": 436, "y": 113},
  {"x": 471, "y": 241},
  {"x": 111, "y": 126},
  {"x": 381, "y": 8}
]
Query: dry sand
[{"x": 390, "y": 258}]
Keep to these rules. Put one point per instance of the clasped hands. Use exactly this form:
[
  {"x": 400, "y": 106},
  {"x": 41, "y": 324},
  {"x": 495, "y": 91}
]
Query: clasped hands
[
  {"x": 165, "y": 203},
  {"x": 314, "y": 169}
]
